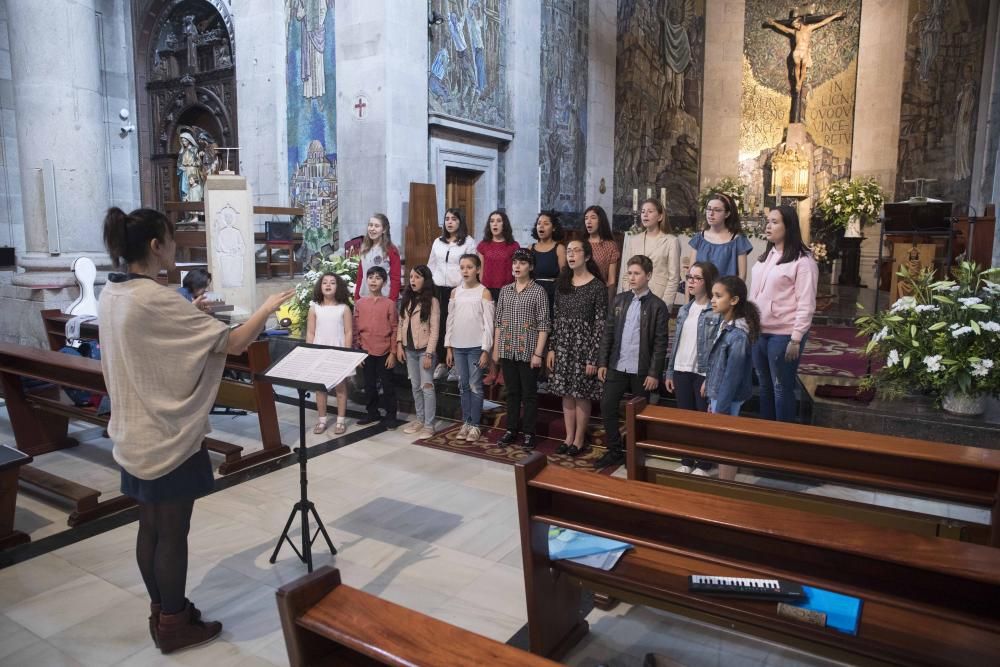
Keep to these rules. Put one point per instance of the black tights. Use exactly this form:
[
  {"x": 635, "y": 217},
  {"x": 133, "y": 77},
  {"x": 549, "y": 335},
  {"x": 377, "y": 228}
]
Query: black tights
[{"x": 162, "y": 552}]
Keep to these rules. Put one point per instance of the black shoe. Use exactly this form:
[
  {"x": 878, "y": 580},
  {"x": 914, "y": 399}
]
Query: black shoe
[
  {"x": 575, "y": 451},
  {"x": 565, "y": 448},
  {"x": 390, "y": 422},
  {"x": 369, "y": 419},
  {"x": 529, "y": 441},
  {"x": 508, "y": 438},
  {"x": 614, "y": 456}
]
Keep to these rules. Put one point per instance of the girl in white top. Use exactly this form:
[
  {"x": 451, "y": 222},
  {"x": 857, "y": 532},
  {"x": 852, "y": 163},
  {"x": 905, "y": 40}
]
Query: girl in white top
[
  {"x": 663, "y": 249},
  {"x": 329, "y": 323},
  {"x": 469, "y": 339},
  {"x": 446, "y": 252},
  {"x": 378, "y": 250}
]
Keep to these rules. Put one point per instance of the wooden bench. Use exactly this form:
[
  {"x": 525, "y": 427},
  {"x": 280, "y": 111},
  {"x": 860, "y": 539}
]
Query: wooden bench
[
  {"x": 328, "y": 623},
  {"x": 254, "y": 396},
  {"x": 11, "y": 460},
  {"x": 941, "y": 471},
  {"x": 40, "y": 420},
  {"x": 925, "y": 600}
]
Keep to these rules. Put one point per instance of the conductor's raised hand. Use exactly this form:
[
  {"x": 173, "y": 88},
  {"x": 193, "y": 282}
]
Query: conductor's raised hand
[
  {"x": 201, "y": 303},
  {"x": 273, "y": 302}
]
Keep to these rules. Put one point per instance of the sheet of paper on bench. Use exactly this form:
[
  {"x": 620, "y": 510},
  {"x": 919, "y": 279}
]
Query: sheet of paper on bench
[
  {"x": 572, "y": 544},
  {"x": 314, "y": 364}
]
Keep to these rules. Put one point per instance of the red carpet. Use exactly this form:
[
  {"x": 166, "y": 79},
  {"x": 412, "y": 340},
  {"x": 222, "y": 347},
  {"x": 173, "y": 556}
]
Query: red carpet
[
  {"x": 834, "y": 351},
  {"x": 486, "y": 448}
]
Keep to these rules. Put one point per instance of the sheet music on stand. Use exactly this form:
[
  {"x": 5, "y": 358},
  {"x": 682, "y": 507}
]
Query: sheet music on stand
[{"x": 317, "y": 364}]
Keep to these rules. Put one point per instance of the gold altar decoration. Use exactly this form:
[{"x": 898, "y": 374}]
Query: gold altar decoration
[{"x": 790, "y": 173}]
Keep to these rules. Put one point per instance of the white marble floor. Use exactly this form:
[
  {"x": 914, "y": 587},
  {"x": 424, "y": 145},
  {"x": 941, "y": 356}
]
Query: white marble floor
[{"x": 431, "y": 530}]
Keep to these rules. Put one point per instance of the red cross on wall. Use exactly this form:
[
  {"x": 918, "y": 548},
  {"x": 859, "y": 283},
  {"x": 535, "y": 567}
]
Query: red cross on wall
[{"x": 360, "y": 106}]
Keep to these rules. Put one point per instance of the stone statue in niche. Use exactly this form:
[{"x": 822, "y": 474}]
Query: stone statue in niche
[
  {"x": 964, "y": 131},
  {"x": 800, "y": 29},
  {"x": 913, "y": 267},
  {"x": 188, "y": 166},
  {"x": 191, "y": 36},
  {"x": 198, "y": 157}
]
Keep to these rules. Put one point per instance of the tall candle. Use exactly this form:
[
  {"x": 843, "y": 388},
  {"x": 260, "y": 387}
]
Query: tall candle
[
  {"x": 635, "y": 199},
  {"x": 777, "y": 196},
  {"x": 649, "y": 193},
  {"x": 663, "y": 197}
]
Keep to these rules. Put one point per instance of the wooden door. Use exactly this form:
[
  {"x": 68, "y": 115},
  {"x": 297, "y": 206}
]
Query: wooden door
[{"x": 460, "y": 193}]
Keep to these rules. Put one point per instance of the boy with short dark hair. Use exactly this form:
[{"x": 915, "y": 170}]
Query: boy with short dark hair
[
  {"x": 632, "y": 350},
  {"x": 375, "y": 322}
]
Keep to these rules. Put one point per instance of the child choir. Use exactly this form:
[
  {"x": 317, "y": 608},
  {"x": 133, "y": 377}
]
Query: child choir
[{"x": 543, "y": 313}]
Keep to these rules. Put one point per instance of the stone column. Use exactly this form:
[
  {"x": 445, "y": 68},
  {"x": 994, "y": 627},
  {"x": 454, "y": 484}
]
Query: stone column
[
  {"x": 523, "y": 75},
  {"x": 381, "y": 73},
  {"x": 59, "y": 110},
  {"x": 720, "y": 139}
]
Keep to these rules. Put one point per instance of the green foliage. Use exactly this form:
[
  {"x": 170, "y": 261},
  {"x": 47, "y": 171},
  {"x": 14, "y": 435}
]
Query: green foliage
[{"x": 945, "y": 335}]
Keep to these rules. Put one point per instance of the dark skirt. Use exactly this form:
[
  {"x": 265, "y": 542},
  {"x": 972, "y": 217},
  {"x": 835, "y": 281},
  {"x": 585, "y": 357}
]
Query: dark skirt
[{"x": 191, "y": 479}]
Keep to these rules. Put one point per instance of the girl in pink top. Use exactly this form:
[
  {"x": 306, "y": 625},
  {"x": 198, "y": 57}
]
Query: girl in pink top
[{"x": 783, "y": 286}]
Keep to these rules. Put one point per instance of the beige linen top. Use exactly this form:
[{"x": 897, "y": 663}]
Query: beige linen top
[
  {"x": 665, "y": 252},
  {"x": 162, "y": 360}
]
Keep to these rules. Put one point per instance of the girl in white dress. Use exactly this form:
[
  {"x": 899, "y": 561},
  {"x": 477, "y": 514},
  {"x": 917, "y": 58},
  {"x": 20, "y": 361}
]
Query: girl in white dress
[{"x": 329, "y": 323}]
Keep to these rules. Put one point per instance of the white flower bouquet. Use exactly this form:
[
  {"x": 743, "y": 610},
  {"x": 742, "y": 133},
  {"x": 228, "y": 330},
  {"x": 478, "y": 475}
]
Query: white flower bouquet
[
  {"x": 944, "y": 337},
  {"x": 843, "y": 200}
]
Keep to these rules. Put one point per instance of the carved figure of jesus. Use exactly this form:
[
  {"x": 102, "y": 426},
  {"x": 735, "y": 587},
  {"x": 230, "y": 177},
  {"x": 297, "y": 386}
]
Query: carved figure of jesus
[{"x": 801, "y": 33}]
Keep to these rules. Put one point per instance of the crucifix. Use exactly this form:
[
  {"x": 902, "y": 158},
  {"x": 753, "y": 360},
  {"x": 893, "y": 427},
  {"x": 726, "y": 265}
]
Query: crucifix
[{"x": 800, "y": 29}]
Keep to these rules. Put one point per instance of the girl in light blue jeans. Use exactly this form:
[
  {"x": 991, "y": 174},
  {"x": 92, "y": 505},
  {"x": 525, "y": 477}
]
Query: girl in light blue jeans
[
  {"x": 419, "y": 314},
  {"x": 469, "y": 338}
]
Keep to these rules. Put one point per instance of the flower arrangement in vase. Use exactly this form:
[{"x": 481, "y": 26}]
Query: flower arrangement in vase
[
  {"x": 851, "y": 204},
  {"x": 943, "y": 339}
]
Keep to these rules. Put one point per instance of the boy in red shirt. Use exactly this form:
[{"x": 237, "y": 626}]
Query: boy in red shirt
[{"x": 375, "y": 322}]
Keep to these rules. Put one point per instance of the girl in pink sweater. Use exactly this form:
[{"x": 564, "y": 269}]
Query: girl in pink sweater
[{"x": 783, "y": 286}]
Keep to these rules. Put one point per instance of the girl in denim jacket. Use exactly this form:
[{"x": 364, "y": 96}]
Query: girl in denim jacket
[
  {"x": 728, "y": 383},
  {"x": 697, "y": 326}
]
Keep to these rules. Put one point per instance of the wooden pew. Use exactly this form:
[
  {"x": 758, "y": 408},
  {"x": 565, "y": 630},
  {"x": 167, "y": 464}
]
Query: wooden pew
[
  {"x": 10, "y": 461},
  {"x": 40, "y": 420},
  {"x": 942, "y": 471},
  {"x": 328, "y": 623},
  {"x": 925, "y": 601},
  {"x": 255, "y": 396}
]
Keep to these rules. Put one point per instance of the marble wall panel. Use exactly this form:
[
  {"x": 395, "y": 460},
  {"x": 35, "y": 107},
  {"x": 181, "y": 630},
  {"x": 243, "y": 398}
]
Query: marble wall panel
[
  {"x": 659, "y": 91},
  {"x": 563, "y": 119},
  {"x": 944, "y": 54},
  {"x": 467, "y": 76}
]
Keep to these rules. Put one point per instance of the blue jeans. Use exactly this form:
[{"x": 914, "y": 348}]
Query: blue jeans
[
  {"x": 470, "y": 383},
  {"x": 776, "y": 376},
  {"x": 422, "y": 386},
  {"x": 733, "y": 409}
]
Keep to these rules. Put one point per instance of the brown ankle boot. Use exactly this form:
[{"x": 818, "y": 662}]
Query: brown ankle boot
[
  {"x": 184, "y": 630},
  {"x": 154, "y": 620}
]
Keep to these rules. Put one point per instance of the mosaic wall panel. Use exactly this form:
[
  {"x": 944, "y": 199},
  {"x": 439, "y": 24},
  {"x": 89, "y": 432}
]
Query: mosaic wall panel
[
  {"x": 944, "y": 55},
  {"x": 660, "y": 64},
  {"x": 563, "y": 120},
  {"x": 770, "y": 76},
  {"x": 312, "y": 118},
  {"x": 468, "y": 60}
]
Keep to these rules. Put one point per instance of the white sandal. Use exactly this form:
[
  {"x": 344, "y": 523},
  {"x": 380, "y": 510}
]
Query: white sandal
[{"x": 320, "y": 425}]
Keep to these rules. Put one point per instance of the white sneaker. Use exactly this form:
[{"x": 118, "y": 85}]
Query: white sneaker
[
  {"x": 440, "y": 372},
  {"x": 426, "y": 431},
  {"x": 412, "y": 427},
  {"x": 683, "y": 469},
  {"x": 473, "y": 435},
  {"x": 463, "y": 432},
  {"x": 700, "y": 472}
]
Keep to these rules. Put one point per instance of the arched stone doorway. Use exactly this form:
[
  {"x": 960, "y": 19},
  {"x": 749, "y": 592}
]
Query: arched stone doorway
[{"x": 184, "y": 78}]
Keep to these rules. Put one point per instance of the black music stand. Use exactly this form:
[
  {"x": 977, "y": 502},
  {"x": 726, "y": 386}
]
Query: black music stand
[{"x": 304, "y": 506}]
